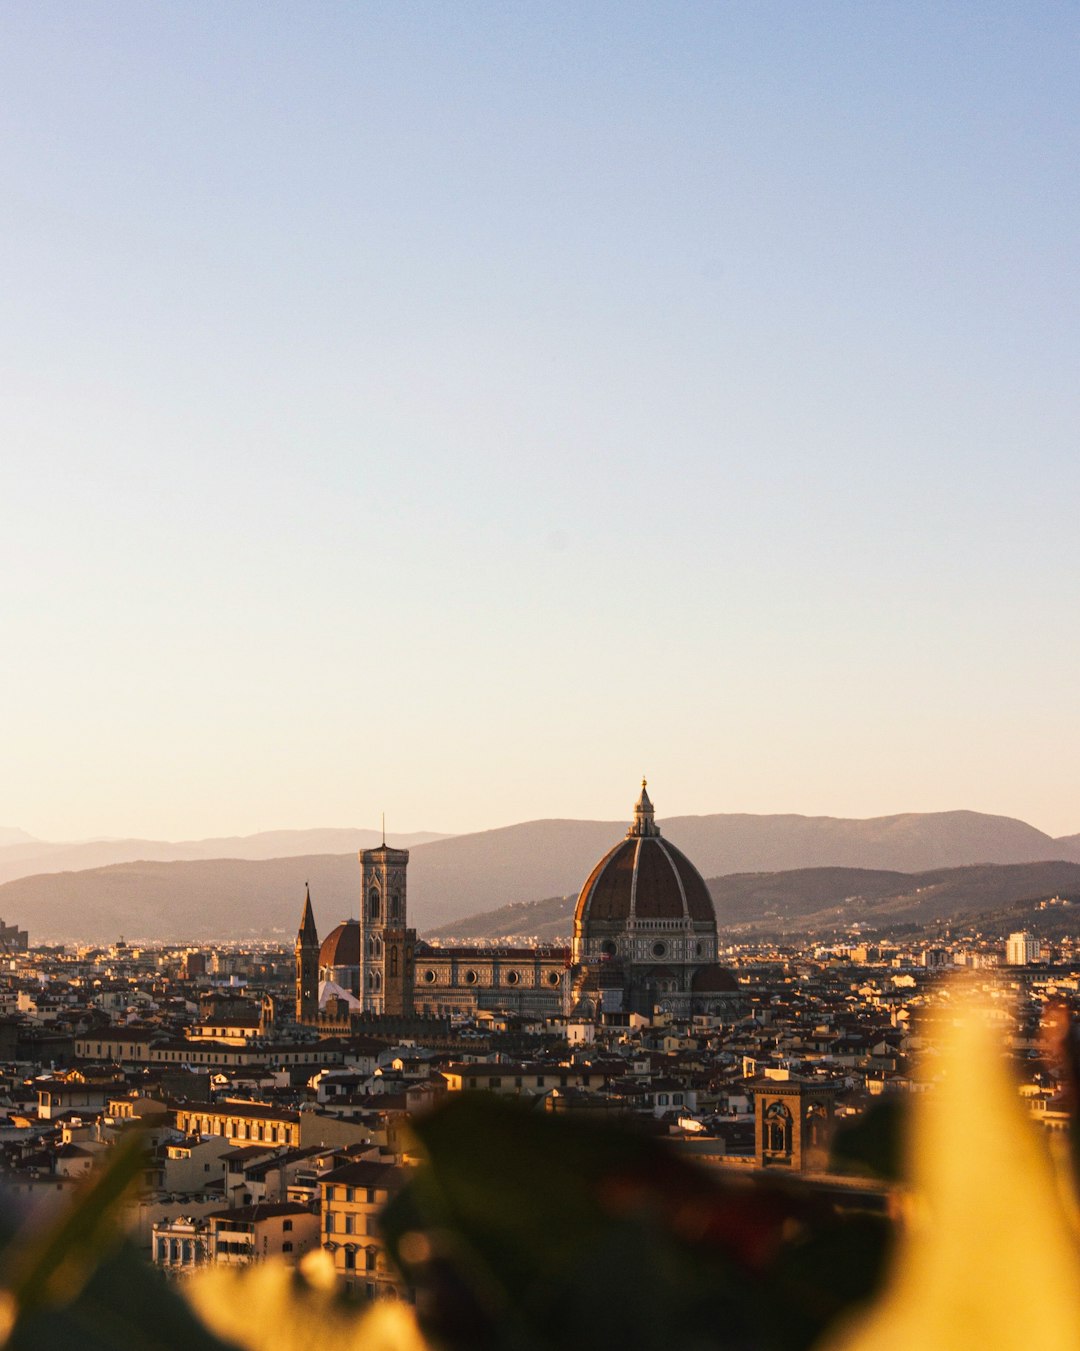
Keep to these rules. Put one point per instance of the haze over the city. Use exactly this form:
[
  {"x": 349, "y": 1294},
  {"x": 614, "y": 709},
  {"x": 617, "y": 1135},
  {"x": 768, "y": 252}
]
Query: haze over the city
[{"x": 460, "y": 411}]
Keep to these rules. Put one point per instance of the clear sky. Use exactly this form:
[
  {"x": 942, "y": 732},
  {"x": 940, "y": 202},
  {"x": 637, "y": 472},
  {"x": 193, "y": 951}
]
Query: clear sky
[{"x": 462, "y": 409}]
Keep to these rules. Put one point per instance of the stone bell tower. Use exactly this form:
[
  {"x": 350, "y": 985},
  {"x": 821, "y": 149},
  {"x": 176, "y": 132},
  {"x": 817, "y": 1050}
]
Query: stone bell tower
[{"x": 387, "y": 947}]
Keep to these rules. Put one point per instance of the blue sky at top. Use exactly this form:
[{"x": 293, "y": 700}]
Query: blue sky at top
[{"x": 464, "y": 408}]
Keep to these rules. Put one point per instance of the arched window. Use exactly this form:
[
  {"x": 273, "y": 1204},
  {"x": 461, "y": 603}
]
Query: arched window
[
  {"x": 374, "y": 908},
  {"x": 395, "y": 906},
  {"x": 393, "y": 960},
  {"x": 777, "y": 1129}
]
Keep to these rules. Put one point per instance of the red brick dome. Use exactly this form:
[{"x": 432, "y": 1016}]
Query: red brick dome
[
  {"x": 341, "y": 947},
  {"x": 644, "y": 877}
]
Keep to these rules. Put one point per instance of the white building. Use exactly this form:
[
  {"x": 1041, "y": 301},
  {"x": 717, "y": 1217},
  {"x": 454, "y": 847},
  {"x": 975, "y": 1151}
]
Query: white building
[{"x": 1022, "y": 949}]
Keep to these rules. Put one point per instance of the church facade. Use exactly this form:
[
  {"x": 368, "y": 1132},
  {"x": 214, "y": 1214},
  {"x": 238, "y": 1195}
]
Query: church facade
[{"x": 644, "y": 938}]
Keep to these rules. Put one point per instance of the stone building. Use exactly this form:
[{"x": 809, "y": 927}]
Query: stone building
[
  {"x": 793, "y": 1123},
  {"x": 644, "y": 938},
  {"x": 645, "y": 930}
]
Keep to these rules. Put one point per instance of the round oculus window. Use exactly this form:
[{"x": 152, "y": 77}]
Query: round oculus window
[
  {"x": 512, "y": 978},
  {"x": 659, "y": 949},
  {"x": 429, "y": 976},
  {"x": 470, "y": 977}
]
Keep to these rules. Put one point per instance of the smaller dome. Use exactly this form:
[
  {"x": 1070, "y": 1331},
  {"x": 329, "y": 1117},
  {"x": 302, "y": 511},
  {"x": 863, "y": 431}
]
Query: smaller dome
[
  {"x": 714, "y": 979},
  {"x": 341, "y": 946}
]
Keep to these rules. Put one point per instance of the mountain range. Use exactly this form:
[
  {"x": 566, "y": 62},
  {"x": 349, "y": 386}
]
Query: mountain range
[
  {"x": 25, "y": 856},
  {"x": 245, "y": 892},
  {"x": 818, "y": 901}
]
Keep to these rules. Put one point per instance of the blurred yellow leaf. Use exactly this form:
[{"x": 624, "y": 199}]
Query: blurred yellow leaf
[
  {"x": 989, "y": 1257},
  {"x": 272, "y": 1307}
]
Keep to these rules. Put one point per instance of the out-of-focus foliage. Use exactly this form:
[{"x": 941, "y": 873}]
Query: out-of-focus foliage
[
  {"x": 270, "y": 1307},
  {"x": 873, "y": 1144},
  {"x": 989, "y": 1257},
  {"x": 525, "y": 1231},
  {"x": 76, "y": 1283}
]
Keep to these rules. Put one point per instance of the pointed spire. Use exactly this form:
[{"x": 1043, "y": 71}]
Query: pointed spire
[
  {"x": 308, "y": 933},
  {"x": 644, "y": 822}
]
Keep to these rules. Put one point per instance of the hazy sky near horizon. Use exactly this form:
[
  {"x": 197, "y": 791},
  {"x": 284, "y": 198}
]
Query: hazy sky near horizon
[{"x": 462, "y": 409}]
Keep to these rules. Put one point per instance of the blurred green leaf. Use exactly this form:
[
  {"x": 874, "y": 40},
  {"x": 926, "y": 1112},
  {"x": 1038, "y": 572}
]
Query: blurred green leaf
[
  {"x": 50, "y": 1265},
  {"x": 873, "y": 1145},
  {"x": 526, "y": 1230},
  {"x": 125, "y": 1305}
]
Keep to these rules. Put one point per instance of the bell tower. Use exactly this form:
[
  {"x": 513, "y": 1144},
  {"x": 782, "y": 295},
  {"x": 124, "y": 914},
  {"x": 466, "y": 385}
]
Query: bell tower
[{"x": 386, "y": 945}]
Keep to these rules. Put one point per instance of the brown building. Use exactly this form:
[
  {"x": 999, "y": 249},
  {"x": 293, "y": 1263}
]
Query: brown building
[
  {"x": 644, "y": 939},
  {"x": 793, "y": 1121},
  {"x": 645, "y": 930}
]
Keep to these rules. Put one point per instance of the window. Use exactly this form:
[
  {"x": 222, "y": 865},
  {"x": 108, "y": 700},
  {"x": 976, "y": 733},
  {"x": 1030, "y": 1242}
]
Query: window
[
  {"x": 348, "y": 1219},
  {"x": 777, "y": 1129},
  {"x": 350, "y": 1259},
  {"x": 369, "y": 1259},
  {"x": 287, "y": 1225},
  {"x": 350, "y": 1193},
  {"x": 512, "y": 978},
  {"x": 286, "y": 1247},
  {"x": 661, "y": 1099},
  {"x": 659, "y": 949},
  {"x": 374, "y": 907},
  {"x": 676, "y": 1099}
]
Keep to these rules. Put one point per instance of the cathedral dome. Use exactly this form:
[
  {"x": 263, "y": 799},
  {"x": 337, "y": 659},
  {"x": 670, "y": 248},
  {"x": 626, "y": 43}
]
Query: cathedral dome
[
  {"x": 341, "y": 947},
  {"x": 644, "y": 878}
]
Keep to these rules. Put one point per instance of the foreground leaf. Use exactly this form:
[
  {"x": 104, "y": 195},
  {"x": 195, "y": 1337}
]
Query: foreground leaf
[
  {"x": 990, "y": 1259},
  {"x": 272, "y": 1307},
  {"x": 528, "y": 1231}
]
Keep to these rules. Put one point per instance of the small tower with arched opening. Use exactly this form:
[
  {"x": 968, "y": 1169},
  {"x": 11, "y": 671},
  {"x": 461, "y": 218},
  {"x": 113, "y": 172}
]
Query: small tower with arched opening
[{"x": 793, "y": 1120}]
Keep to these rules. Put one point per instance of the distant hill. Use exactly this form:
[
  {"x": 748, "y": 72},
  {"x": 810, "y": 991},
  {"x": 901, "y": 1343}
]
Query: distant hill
[
  {"x": 537, "y": 859},
  {"x": 947, "y": 895},
  {"x": 549, "y": 921},
  {"x": 13, "y": 835},
  {"x": 822, "y": 900},
  {"x": 27, "y": 857},
  {"x": 471, "y": 874}
]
